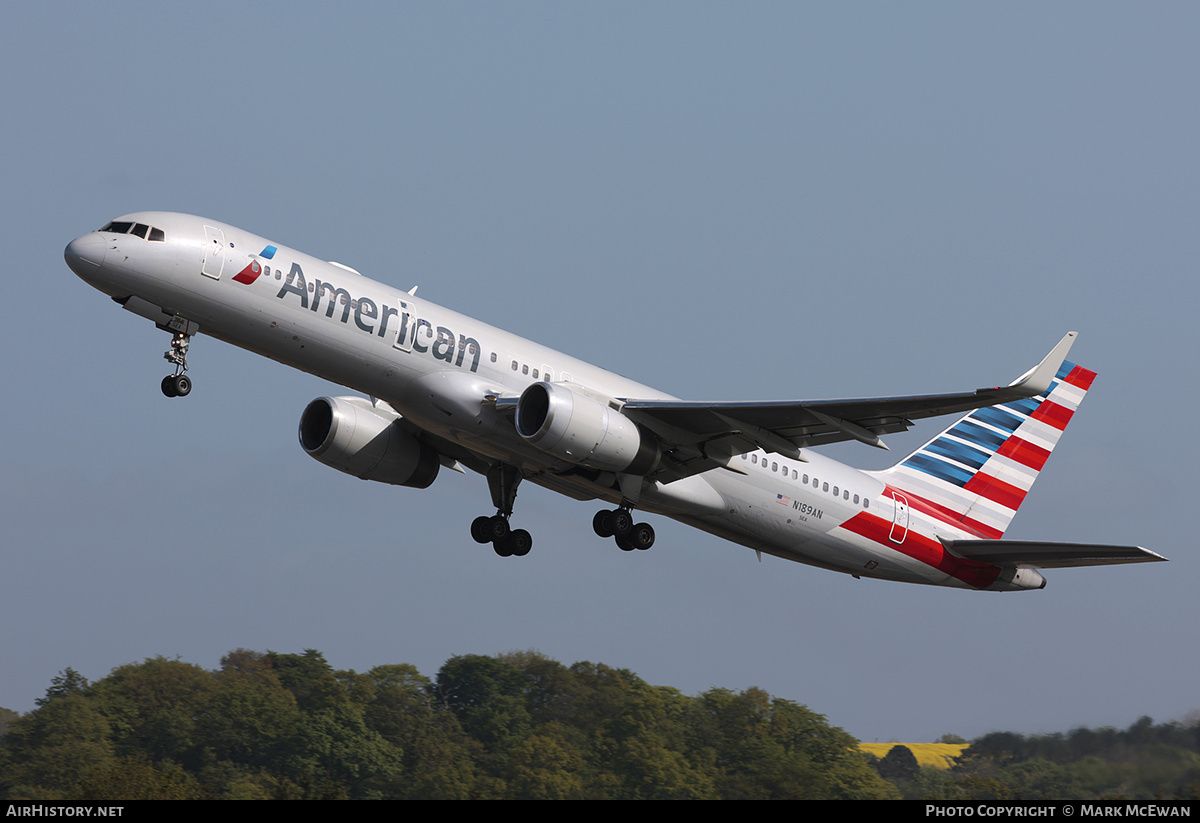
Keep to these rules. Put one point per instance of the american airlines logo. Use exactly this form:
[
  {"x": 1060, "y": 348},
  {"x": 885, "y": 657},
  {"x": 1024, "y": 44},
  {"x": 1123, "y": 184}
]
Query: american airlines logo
[{"x": 415, "y": 333}]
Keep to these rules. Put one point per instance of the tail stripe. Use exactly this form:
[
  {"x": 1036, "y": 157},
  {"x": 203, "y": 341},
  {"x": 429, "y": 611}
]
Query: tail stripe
[
  {"x": 980, "y": 436},
  {"x": 1054, "y": 414},
  {"x": 960, "y": 451},
  {"x": 978, "y": 472},
  {"x": 941, "y": 469},
  {"x": 998, "y": 417},
  {"x": 1025, "y": 453},
  {"x": 996, "y": 490},
  {"x": 1079, "y": 376}
]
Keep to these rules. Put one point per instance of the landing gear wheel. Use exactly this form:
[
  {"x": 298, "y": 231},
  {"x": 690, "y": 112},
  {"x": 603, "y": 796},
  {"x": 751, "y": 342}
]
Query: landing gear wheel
[
  {"x": 168, "y": 386},
  {"x": 641, "y": 537},
  {"x": 519, "y": 542},
  {"x": 622, "y": 522},
  {"x": 623, "y": 544},
  {"x": 502, "y": 547},
  {"x": 601, "y": 523},
  {"x": 480, "y": 529},
  {"x": 183, "y": 385},
  {"x": 497, "y": 528}
]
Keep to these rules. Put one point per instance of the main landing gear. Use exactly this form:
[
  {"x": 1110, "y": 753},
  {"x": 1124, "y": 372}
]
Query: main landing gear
[
  {"x": 507, "y": 542},
  {"x": 618, "y": 523},
  {"x": 177, "y": 384}
]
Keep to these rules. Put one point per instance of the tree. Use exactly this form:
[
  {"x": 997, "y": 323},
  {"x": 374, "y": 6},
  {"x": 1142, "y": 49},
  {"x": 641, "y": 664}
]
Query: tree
[
  {"x": 899, "y": 765},
  {"x": 54, "y": 748}
]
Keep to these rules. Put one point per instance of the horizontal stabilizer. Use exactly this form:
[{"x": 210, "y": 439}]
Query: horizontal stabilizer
[{"x": 1043, "y": 555}]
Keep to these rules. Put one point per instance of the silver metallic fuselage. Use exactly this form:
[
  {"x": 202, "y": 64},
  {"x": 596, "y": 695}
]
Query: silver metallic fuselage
[{"x": 444, "y": 371}]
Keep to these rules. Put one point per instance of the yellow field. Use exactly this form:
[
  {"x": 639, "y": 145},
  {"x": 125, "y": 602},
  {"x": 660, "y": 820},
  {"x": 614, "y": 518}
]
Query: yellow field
[{"x": 938, "y": 755}]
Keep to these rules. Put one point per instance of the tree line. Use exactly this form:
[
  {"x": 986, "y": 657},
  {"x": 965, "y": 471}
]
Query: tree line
[
  {"x": 520, "y": 725},
  {"x": 1144, "y": 762},
  {"x": 267, "y": 725}
]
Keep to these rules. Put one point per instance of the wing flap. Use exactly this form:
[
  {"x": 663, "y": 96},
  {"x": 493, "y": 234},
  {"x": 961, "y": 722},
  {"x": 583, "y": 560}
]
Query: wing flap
[{"x": 1043, "y": 555}]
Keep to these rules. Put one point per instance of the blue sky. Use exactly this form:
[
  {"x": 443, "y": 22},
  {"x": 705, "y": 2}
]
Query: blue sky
[{"x": 725, "y": 201}]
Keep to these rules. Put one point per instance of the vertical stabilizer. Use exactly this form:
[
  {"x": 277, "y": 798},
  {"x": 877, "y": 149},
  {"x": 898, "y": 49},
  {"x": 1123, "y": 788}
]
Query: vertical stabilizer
[{"x": 976, "y": 473}]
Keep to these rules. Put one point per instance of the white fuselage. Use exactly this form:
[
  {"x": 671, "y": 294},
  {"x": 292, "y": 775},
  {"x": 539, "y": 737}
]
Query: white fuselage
[{"x": 442, "y": 371}]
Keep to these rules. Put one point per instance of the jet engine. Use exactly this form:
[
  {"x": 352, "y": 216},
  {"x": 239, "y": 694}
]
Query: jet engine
[
  {"x": 366, "y": 441},
  {"x": 583, "y": 430}
]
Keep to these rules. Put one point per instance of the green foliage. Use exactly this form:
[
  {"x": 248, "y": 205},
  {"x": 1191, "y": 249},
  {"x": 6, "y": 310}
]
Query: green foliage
[
  {"x": 517, "y": 725},
  {"x": 54, "y": 749},
  {"x": 899, "y": 765},
  {"x": 1143, "y": 762}
]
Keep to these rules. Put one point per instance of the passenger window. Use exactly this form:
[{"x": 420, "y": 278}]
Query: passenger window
[
  {"x": 774, "y": 467},
  {"x": 535, "y": 374},
  {"x": 524, "y": 369},
  {"x": 493, "y": 357},
  {"x": 835, "y": 491},
  {"x": 514, "y": 365},
  {"x": 866, "y": 502},
  {"x": 856, "y": 499},
  {"x": 824, "y": 487}
]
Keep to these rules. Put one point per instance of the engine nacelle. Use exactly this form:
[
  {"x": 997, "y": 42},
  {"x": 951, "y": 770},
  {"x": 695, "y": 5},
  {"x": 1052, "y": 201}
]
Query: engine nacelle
[
  {"x": 577, "y": 428},
  {"x": 355, "y": 437}
]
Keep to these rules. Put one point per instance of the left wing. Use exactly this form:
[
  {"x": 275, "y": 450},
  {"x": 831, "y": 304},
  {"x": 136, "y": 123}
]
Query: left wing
[{"x": 786, "y": 427}]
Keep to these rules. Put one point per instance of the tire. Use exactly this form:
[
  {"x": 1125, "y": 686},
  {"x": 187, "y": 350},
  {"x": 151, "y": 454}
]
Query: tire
[
  {"x": 520, "y": 542},
  {"x": 479, "y": 529},
  {"x": 168, "y": 385},
  {"x": 497, "y": 528},
  {"x": 623, "y": 544},
  {"x": 622, "y": 522},
  {"x": 642, "y": 536},
  {"x": 602, "y": 523},
  {"x": 183, "y": 385}
]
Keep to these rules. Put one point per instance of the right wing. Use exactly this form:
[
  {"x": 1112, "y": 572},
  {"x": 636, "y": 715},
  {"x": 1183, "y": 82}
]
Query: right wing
[{"x": 718, "y": 431}]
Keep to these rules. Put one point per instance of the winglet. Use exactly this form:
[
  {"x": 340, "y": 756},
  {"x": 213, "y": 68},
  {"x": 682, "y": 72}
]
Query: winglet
[{"x": 1038, "y": 379}]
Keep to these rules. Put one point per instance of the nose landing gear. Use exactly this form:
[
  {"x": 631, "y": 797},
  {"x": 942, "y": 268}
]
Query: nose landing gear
[{"x": 177, "y": 384}]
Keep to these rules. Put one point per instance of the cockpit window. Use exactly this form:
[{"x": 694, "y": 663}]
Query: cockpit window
[{"x": 139, "y": 229}]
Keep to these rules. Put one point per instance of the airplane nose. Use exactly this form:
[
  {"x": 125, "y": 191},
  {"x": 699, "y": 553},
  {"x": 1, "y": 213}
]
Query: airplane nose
[{"x": 85, "y": 254}]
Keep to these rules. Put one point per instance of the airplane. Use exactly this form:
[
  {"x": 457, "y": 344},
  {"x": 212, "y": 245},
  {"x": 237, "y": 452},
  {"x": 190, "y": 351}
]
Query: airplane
[{"x": 442, "y": 390}]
